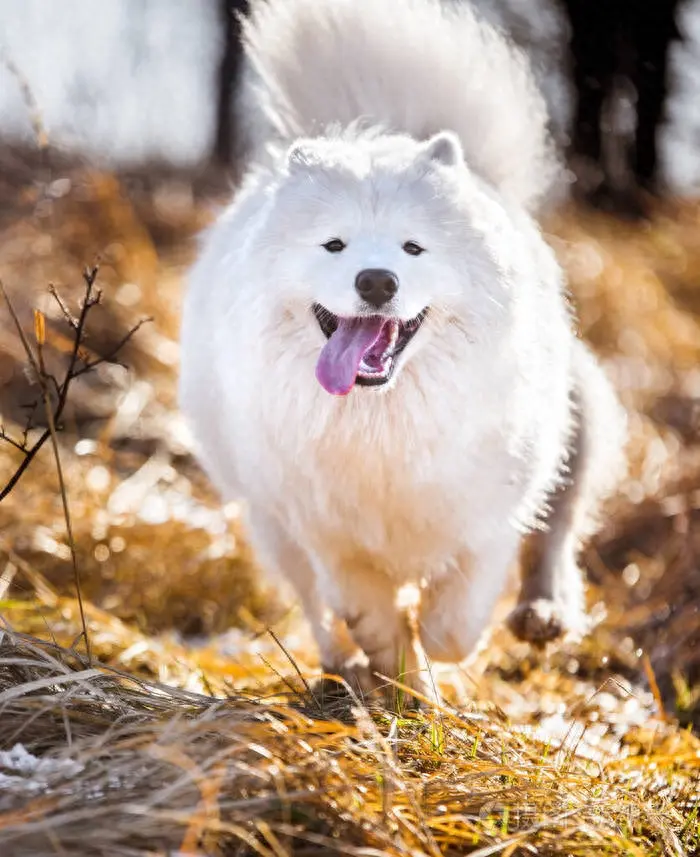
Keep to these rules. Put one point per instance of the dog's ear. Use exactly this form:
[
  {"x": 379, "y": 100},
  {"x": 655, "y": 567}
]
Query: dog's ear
[
  {"x": 444, "y": 148},
  {"x": 302, "y": 154}
]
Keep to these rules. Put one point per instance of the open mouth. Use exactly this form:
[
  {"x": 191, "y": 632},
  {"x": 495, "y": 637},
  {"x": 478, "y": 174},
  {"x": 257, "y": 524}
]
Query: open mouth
[{"x": 362, "y": 349}]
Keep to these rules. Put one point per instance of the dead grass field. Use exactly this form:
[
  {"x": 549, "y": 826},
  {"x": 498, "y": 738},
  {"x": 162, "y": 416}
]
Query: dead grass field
[{"x": 194, "y": 731}]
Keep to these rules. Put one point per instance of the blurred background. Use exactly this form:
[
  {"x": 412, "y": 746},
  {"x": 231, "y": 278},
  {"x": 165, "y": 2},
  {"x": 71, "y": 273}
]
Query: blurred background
[
  {"x": 153, "y": 80},
  {"x": 118, "y": 145}
]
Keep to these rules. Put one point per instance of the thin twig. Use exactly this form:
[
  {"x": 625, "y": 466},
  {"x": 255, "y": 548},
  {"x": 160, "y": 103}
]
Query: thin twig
[
  {"x": 74, "y": 370},
  {"x": 5, "y": 437},
  {"x": 67, "y": 516},
  {"x": 71, "y": 320},
  {"x": 109, "y": 357},
  {"x": 29, "y": 456},
  {"x": 54, "y": 396},
  {"x": 37, "y": 364}
]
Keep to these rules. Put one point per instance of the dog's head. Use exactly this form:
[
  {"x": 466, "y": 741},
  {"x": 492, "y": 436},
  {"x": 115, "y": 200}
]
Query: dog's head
[{"x": 380, "y": 244}]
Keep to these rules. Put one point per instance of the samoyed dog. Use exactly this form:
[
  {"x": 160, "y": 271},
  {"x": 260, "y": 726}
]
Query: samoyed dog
[{"x": 377, "y": 349}]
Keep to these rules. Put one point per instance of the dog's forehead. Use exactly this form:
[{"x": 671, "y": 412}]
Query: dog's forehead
[
  {"x": 374, "y": 180},
  {"x": 381, "y": 203},
  {"x": 352, "y": 188}
]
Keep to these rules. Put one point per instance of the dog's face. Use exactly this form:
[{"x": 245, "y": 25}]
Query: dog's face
[{"x": 378, "y": 247}]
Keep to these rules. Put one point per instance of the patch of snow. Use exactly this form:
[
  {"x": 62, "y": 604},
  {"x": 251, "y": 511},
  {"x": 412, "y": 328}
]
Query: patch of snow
[{"x": 21, "y": 770}]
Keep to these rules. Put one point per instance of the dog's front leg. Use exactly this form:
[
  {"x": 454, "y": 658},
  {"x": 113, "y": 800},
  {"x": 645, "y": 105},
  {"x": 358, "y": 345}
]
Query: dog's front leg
[
  {"x": 367, "y": 601},
  {"x": 458, "y": 605}
]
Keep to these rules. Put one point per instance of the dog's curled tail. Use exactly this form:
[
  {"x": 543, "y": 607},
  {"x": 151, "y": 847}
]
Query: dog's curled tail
[{"x": 412, "y": 66}]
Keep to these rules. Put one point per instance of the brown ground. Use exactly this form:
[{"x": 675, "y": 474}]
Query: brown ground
[{"x": 568, "y": 751}]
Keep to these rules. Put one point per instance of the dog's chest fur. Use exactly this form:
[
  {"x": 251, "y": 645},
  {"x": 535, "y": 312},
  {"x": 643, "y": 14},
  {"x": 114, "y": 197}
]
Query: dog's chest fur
[{"x": 398, "y": 480}]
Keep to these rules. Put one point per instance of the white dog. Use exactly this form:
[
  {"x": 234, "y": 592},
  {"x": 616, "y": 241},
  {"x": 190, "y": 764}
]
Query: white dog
[{"x": 377, "y": 351}]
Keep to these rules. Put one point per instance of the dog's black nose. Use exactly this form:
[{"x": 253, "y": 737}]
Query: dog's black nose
[{"x": 376, "y": 286}]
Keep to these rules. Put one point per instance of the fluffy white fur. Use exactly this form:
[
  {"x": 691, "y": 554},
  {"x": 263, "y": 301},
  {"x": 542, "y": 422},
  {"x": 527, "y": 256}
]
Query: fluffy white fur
[
  {"x": 415, "y": 66},
  {"x": 432, "y": 479}
]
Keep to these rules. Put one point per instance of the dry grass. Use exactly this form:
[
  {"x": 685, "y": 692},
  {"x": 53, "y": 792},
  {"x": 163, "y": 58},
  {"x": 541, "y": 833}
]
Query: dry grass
[
  {"x": 130, "y": 767},
  {"x": 193, "y": 733}
]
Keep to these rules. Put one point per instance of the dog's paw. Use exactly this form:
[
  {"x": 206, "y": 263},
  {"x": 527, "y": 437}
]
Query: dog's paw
[
  {"x": 543, "y": 620},
  {"x": 352, "y": 677},
  {"x": 370, "y": 685}
]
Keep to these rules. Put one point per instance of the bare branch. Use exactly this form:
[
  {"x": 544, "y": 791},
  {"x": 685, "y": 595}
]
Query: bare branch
[
  {"x": 54, "y": 396},
  {"x": 70, "y": 319},
  {"x": 79, "y": 364},
  {"x": 17, "y": 444},
  {"x": 30, "y": 455},
  {"x": 111, "y": 355},
  {"x": 37, "y": 362}
]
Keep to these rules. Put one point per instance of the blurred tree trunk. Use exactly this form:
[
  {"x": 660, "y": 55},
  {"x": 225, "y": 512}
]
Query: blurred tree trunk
[{"x": 228, "y": 76}]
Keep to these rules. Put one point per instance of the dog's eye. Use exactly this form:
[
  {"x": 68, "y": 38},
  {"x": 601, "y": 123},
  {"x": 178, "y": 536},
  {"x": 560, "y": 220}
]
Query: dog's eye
[
  {"x": 335, "y": 245},
  {"x": 413, "y": 249}
]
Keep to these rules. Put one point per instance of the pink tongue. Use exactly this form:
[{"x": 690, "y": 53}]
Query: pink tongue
[{"x": 337, "y": 366}]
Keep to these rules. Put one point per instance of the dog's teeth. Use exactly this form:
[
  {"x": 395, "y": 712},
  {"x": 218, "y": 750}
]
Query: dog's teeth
[
  {"x": 393, "y": 336},
  {"x": 370, "y": 372}
]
